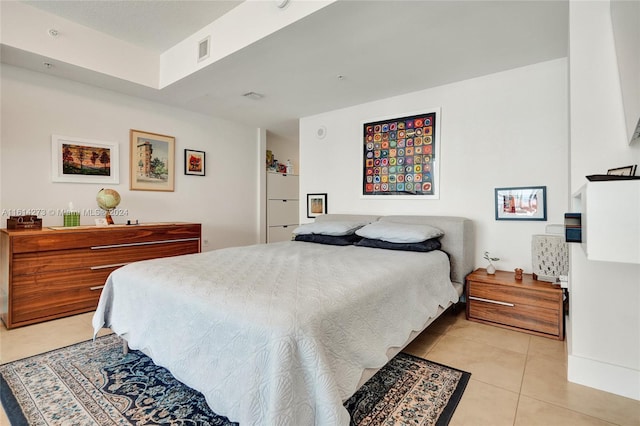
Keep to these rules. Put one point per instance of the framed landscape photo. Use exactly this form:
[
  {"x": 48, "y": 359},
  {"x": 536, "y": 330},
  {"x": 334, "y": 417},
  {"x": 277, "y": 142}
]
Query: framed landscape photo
[
  {"x": 194, "y": 163},
  {"x": 80, "y": 160},
  {"x": 151, "y": 161},
  {"x": 521, "y": 203},
  {"x": 316, "y": 205}
]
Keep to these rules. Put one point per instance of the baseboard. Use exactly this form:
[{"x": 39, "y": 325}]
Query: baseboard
[{"x": 611, "y": 378}]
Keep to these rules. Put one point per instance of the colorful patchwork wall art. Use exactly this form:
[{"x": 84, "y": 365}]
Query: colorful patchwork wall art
[{"x": 401, "y": 156}]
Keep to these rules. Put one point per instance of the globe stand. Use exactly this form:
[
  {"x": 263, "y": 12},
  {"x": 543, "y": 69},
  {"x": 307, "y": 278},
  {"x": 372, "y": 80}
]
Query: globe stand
[{"x": 108, "y": 217}]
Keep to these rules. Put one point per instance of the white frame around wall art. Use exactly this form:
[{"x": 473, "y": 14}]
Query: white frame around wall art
[
  {"x": 365, "y": 153},
  {"x": 94, "y": 157}
]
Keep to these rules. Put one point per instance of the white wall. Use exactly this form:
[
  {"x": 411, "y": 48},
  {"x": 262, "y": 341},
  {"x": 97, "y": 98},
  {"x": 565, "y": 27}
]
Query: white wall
[
  {"x": 36, "y": 105},
  {"x": 625, "y": 16},
  {"x": 502, "y": 130},
  {"x": 604, "y": 340}
]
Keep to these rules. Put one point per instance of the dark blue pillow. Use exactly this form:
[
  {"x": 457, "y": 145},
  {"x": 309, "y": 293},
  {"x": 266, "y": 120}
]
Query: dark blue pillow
[
  {"x": 341, "y": 240},
  {"x": 423, "y": 246}
]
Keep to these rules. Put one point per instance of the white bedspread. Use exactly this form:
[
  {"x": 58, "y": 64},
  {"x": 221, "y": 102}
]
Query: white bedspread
[{"x": 275, "y": 334}]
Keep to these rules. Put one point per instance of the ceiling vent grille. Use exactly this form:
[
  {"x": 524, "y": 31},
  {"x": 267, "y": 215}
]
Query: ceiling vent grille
[{"x": 204, "y": 46}]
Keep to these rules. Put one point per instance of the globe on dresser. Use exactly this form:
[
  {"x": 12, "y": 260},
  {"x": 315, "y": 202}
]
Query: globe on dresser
[{"x": 108, "y": 199}]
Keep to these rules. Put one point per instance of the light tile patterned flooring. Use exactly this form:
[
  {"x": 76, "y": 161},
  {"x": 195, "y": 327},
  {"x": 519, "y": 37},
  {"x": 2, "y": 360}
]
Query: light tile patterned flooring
[{"x": 517, "y": 379}]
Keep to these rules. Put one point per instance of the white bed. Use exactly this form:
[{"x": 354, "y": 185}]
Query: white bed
[{"x": 284, "y": 333}]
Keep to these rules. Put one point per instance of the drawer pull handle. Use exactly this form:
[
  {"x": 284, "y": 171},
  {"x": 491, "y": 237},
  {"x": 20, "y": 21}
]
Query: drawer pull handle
[
  {"x": 113, "y": 265},
  {"x": 146, "y": 243},
  {"x": 495, "y": 302},
  {"x": 98, "y": 287}
]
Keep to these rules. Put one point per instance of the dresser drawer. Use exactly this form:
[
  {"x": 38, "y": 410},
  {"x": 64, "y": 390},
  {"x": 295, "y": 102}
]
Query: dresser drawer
[
  {"x": 99, "y": 256},
  {"x": 282, "y": 186},
  {"x": 282, "y": 212},
  {"x": 280, "y": 233},
  {"x": 101, "y": 236},
  {"x": 519, "y": 315},
  {"x": 514, "y": 295},
  {"x": 56, "y": 293}
]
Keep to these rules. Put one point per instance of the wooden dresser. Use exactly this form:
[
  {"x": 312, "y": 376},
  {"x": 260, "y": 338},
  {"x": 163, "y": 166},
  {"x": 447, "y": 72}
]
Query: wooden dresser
[
  {"x": 527, "y": 305},
  {"x": 53, "y": 273}
]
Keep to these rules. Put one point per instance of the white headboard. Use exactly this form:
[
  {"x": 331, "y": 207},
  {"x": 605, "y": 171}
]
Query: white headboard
[{"x": 457, "y": 242}]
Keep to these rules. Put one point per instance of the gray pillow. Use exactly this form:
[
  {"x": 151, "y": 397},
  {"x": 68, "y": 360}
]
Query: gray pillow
[
  {"x": 335, "y": 228},
  {"x": 399, "y": 232}
]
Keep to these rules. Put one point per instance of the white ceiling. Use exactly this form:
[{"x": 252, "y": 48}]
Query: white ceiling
[
  {"x": 154, "y": 25},
  {"x": 381, "y": 48}
]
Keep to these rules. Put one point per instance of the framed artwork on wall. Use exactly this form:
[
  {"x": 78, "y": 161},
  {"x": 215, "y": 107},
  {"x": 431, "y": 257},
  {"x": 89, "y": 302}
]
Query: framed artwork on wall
[
  {"x": 401, "y": 156},
  {"x": 194, "y": 163},
  {"x": 623, "y": 171},
  {"x": 151, "y": 161},
  {"x": 80, "y": 160},
  {"x": 316, "y": 205},
  {"x": 521, "y": 203}
]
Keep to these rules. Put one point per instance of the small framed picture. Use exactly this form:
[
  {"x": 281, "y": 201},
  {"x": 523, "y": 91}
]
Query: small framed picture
[
  {"x": 194, "y": 162},
  {"x": 316, "y": 205},
  {"x": 522, "y": 203},
  {"x": 623, "y": 171}
]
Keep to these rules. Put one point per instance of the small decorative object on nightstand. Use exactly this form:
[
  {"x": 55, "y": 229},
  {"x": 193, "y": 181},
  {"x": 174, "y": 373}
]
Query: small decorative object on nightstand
[
  {"x": 490, "y": 268},
  {"x": 527, "y": 305},
  {"x": 518, "y": 272}
]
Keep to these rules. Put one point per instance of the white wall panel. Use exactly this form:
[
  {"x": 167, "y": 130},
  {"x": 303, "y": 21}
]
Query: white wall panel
[
  {"x": 502, "y": 130},
  {"x": 35, "y": 106}
]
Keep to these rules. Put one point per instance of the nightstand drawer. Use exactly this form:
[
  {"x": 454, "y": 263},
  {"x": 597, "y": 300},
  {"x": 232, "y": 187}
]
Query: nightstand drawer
[
  {"x": 518, "y": 315},
  {"x": 528, "y": 305},
  {"x": 514, "y": 295}
]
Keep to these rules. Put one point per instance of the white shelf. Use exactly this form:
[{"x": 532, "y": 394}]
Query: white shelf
[{"x": 610, "y": 220}]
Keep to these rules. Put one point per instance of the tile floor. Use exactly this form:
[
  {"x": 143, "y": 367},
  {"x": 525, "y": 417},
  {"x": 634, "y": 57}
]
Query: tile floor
[{"x": 517, "y": 379}]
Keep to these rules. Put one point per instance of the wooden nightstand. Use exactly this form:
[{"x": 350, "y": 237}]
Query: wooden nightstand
[{"x": 527, "y": 305}]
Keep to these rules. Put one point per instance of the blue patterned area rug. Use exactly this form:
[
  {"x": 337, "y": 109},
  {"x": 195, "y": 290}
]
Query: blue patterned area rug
[{"x": 93, "y": 383}]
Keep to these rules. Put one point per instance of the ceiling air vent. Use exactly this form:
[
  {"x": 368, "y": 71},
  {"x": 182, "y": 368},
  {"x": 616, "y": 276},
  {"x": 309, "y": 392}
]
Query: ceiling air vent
[{"x": 203, "y": 48}]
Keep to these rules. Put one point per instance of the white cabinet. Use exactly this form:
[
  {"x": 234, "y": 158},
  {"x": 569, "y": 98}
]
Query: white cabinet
[
  {"x": 282, "y": 206},
  {"x": 610, "y": 220}
]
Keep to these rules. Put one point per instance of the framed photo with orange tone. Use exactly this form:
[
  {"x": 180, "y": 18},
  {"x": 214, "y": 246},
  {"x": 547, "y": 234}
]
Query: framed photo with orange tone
[
  {"x": 194, "y": 163},
  {"x": 80, "y": 160},
  {"x": 316, "y": 205},
  {"x": 522, "y": 203}
]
